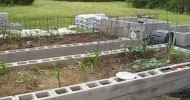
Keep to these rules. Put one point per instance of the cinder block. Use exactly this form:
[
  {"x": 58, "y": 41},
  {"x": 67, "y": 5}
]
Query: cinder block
[
  {"x": 45, "y": 95},
  {"x": 7, "y": 98},
  {"x": 27, "y": 96},
  {"x": 75, "y": 92}
]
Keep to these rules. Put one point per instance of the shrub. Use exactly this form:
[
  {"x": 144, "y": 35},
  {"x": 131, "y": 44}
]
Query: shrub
[
  {"x": 90, "y": 0},
  {"x": 180, "y": 6},
  {"x": 25, "y": 2},
  {"x": 16, "y": 2}
]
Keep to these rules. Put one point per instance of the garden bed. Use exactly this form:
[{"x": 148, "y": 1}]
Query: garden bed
[
  {"x": 42, "y": 77},
  {"x": 16, "y": 42}
]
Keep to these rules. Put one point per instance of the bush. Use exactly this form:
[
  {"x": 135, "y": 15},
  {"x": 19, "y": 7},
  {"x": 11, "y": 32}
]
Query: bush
[
  {"x": 90, "y": 0},
  {"x": 25, "y": 2},
  {"x": 180, "y": 6},
  {"x": 16, "y": 2}
]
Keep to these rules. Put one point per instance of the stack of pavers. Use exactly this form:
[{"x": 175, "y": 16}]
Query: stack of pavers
[
  {"x": 89, "y": 22},
  {"x": 4, "y": 22}
]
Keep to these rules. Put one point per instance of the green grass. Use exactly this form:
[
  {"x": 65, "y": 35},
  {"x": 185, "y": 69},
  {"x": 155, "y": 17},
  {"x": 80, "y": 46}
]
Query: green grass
[{"x": 50, "y": 8}]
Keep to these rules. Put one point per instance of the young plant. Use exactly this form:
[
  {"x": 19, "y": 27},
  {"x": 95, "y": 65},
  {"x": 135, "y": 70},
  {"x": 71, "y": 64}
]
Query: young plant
[
  {"x": 57, "y": 75},
  {"x": 170, "y": 47},
  {"x": 83, "y": 67},
  {"x": 5, "y": 69},
  {"x": 124, "y": 47},
  {"x": 94, "y": 58},
  {"x": 26, "y": 80},
  {"x": 3, "y": 32},
  {"x": 143, "y": 64},
  {"x": 35, "y": 68},
  {"x": 16, "y": 37}
]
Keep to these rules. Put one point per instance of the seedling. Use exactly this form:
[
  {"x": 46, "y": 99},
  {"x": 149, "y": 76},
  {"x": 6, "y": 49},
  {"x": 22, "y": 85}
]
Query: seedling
[
  {"x": 94, "y": 58},
  {"x": 25, "y": 79},
  {"x": 143, "y": 64},
  {"x": 35, "y": 68},
  {"x": 5, "y": 69},
  {"x": 170, "y": 47},
  {"x": 83, "y": 67},
  {"x": 57, "y": 75}
]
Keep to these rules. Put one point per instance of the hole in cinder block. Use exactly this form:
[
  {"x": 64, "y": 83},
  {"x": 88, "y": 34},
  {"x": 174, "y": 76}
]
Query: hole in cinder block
[
  {"x": 77, "y": 56},
  {"x": 56, "y": 58},
  {"x": 92, "y": 85},
  {"x": 58, "y": 46},
  {"x": 68, "y": 45},
  {"x": 6, "y": 98},
  {"x": 46, "y": 59},
  {"x": 2, "y": 52},
  {"x": 40, "y": 48},
  {"x": 21, "y": 50},
  {"x": 119, "y": 80},
  {"x": 21, "y": 63},
  {"x": 104, "y": 82},
  {"x": 165, "y": 70},
  {"x": 68, "y": 57},
  {"x": 26, "y": 97},
  {"x": 114, "y": 51},
  {"x": 143, "y": 74},
  {"x": 76, "y": 88},
  {"x": 12, "y": 51},
  {"x": 91, "y": 43},
  {"x": 42, "y": 94},
  {"x": 33, "y": 61},
  {"x": 32, "y": 49},
  {"x": 75, "y": 44},
  {"x": 106, "y": 52},
  {"x": 152, "y": 72},
  {"x": 9, "y": 65},
  {"x": 61, "y": 91}
]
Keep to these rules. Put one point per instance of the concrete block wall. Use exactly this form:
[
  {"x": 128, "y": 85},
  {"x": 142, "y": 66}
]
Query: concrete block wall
[
  {"x": 147, "y": 84},
  {"x": 123, "y": 26},
  {"x": 63, "y": 50},
  {"x": 5, "y": 23},
  {"x": 182, "y": 35},
  {"x": 4, "y": 19}
]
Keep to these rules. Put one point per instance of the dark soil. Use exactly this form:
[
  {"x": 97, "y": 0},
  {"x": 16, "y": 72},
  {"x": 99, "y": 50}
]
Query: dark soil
[{"x": 11, "y": 44}]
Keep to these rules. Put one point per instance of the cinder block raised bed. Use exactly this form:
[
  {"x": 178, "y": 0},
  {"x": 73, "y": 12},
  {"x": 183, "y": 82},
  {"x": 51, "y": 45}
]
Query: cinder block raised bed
[
  {"x": 147, "y": 84},
  {"x": 64, "y": 50}
]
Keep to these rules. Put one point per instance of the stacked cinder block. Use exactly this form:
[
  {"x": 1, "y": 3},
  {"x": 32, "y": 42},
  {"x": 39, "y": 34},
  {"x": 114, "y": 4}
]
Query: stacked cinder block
[
  {"x": 182, "y": 35},
  {"x": 123, "y": 26},
  {"x": 4, "y": 22}
]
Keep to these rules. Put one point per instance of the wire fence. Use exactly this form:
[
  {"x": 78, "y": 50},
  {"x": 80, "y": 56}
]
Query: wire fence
[{"x": 131, "y": 31}]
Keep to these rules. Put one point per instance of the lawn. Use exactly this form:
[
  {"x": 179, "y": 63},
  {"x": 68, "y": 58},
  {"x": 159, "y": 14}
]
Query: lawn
[{"x": 42, "y": 8}]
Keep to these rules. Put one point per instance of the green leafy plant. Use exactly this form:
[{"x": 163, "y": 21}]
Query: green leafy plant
[
  {"x": 26, "y": 80},
  {"x": 94, "y": 58},
  {"x": 54, "y": 65},
  {"x": 3, "y": 32},
  {"x": 140, "y": 48},
  {"x": 15, "y": 37},
  {"x": 143, "y": 64},
  {"x": 59, "y": 37},
  {"x": 83, "y": 67},
  {"x": 35, "y": 68},
  {"x": 57, "y": 75},
  {"x": 5, "y": 68}
]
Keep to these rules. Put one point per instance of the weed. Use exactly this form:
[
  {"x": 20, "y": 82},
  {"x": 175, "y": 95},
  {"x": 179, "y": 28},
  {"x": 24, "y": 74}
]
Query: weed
[
  {"x": 83, "y": 67},
  {"x": 94, "y": 58},
  {"x": 25, "y": 79},
  {"x": 5, "y": 68},
  {"x": 57, "y": 75}
]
